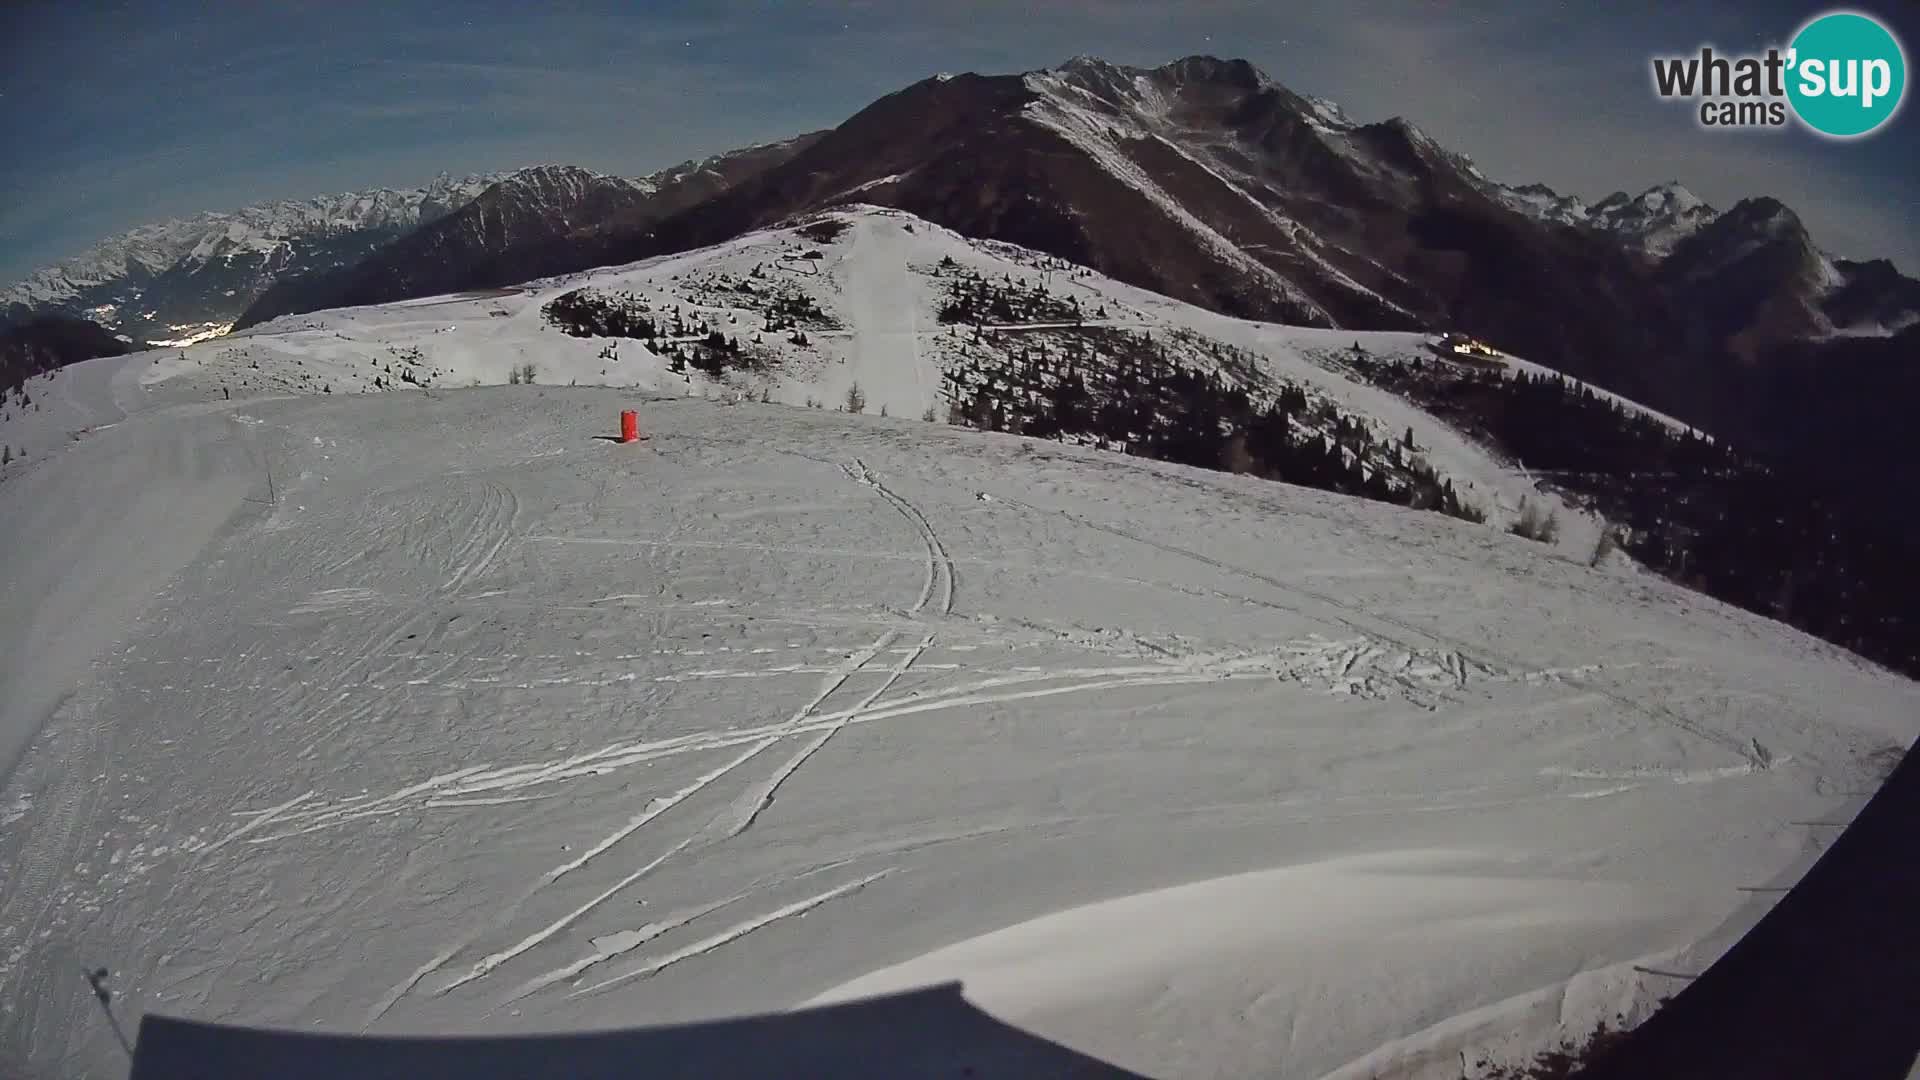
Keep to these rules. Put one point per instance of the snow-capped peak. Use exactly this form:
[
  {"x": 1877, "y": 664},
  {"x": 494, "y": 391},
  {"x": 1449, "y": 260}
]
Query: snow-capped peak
[
  {"x": 1087, "y": 78},
  {"x": 1656, "y": 219},
  {"x": 1671, "y": 197},
  {"x": 566, "y": 180},
  {"x": 1653, "y": 221},
  {"x": 1212, "y": 69},
  {"x": 1765, "y": 215},
  {"x": 1104, "y": 78},
  {"x": 1540, "y": 201},
  {"x": 1417, "y": 138},
  {"x": 1329, "y": 112},
  {"x": 1085, "y": 62}
]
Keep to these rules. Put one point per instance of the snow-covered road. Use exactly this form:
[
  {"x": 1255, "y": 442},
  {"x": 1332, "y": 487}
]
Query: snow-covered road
[{"x": 489, "y": 725}]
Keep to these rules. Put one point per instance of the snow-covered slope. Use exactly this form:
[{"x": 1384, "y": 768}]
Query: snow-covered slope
[
  {"x": 1110, "y": 112},
  {"x": 878, "y": 286},
  {"x": 437, "y": 712},
  {"x": 1093, "y": 133}
]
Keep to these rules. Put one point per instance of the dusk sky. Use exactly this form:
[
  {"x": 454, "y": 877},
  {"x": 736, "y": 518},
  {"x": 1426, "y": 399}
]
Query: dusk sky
[{"x": 117, "y": 115}]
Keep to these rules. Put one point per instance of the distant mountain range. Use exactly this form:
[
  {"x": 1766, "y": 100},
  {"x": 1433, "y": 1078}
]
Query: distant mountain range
[
  {"x": 487, "y": 242},
  {"x": 1202, "y": 179},
  {"x": 1652, "y": 222},
  {"x": 182, "y": 279}
]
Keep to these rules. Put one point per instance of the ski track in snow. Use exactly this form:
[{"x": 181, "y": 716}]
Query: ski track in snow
[
  {"x": 939, "y": 563},
  {"x": 654, "y": 809},
  {"x": 751, "y": 804},
  {"x": 491, "y": 533},
  {"x": 1462, "y": 652},
  {"x": 260, "y": 821},
  {"x": 493, "y": 960},
  {"x": 758, "y": 800},
  {"x": 616, "y": 945},
  {"x": 939, "y": 575},
  {"x": 1335, "y": 661},
  {"x": 729, "y": 935},
  {"x": 49, "y": 852},
  {"x": 1355, "y": 666}
]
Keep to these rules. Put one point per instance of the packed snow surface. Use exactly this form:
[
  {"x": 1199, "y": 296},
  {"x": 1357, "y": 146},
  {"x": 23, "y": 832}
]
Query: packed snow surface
[{"x": 440, "y": 712}]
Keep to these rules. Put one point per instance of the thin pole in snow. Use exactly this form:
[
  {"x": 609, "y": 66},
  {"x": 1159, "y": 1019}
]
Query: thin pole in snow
[
  {"x": 97, "y": 978},
  {"x": 273, "y": 495}
]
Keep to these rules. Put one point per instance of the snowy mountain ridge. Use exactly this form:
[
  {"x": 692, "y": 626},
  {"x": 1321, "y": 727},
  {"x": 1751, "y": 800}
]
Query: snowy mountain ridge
[
  {"x": 514, "y": 230},
  {"x": 261, "y": 228},
  {"x": 188, "y": 280},
  {"x": 553, "y": 194},
  {"x": 1654, "y": 221},
  {"x": 181, "y": 281}
]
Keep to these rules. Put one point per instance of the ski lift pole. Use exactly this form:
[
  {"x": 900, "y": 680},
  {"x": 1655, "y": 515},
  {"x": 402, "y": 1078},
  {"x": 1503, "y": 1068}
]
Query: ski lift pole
[{"x": 97, "y": 978}]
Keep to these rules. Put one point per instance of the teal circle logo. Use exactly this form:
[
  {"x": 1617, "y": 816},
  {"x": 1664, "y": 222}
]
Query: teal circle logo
[{"x": 1846, "y": 74}]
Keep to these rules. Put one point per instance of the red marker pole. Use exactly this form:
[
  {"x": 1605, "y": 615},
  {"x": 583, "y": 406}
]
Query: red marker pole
[{"x": 629, "y": 426}]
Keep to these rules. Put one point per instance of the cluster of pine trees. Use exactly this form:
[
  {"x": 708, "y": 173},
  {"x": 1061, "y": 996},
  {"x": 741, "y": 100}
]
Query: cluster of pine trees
[
  {"x": 699, "y": 346},
  {"x": 1115, "y": 389},
  {"x": 588, "y": 312},
  {"x": 1783, "y": 546},
  {"x": 1548, "y": 423},
  {"x": 982, "y": 301},
  {"x": 791, "y": 309},
  {"x": 412, "y": 369},
  {"x": 782, "y": 304},
  {"x": 1731, "y": 524},
  {"x": 714, "y": 355},
  {"x": 19, "y": 398},
  {"x": 824, "y": 231}
]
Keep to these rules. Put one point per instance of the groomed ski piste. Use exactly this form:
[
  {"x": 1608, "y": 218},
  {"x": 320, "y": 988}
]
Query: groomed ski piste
[{"x": 436, "y": 711}]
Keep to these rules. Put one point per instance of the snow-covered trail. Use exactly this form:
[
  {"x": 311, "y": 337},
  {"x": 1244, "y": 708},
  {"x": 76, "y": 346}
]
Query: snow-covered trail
[
  {"x": 491, "y": 725},
  {"x": 883, "y": 302},
  {"x": 93, "y": 537},
  {"x": 96, "y": 393},
  {"x": 79, "y": 569},
  {"x": 77, "y": 399}
]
